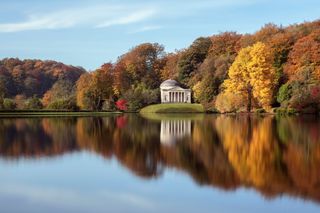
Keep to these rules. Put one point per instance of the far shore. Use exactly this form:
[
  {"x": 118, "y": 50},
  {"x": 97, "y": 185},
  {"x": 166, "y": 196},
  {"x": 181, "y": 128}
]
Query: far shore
[
  {"x": 50, "y": 113},
  {"x": 61, "y": 113}
]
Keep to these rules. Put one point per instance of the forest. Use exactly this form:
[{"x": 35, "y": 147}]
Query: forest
[{"x": 274, "y": 69}]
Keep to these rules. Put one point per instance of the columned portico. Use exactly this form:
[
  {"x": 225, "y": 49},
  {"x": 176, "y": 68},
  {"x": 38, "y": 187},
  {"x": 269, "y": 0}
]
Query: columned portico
[
  {"x": 171, "y": 92},
  {"x": 177, "y": 97}
]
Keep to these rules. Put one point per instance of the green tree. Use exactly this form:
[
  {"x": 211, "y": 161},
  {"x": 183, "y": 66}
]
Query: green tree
[
  {"x": 60, "y": 91},
  {"x": 191, "y": 58},
  {"x": 33, "y": 103},
  {"x": 140, "y": 96},
  {"x": 9, "y": 104}
]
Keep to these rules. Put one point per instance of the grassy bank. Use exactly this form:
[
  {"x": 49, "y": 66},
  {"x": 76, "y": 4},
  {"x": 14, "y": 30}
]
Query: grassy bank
[
  {"x": 46, "y": 113},
  {"x": 173, "y": 108}
]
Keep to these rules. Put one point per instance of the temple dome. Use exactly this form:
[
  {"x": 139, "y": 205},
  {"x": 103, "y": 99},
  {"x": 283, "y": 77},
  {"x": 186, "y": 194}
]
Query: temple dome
[{"x": 168, "y": 84}]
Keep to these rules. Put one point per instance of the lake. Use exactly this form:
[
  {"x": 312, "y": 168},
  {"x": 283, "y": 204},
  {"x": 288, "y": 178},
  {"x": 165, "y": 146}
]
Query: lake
[{"x": 160, "y": 163}]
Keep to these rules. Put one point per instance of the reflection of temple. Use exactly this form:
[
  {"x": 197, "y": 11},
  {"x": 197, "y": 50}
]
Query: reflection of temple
[{"x": 172, "y": 130}]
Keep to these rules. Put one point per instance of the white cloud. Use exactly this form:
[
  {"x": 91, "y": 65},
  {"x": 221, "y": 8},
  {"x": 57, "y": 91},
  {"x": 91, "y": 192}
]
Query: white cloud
[
  {"x": 128, "y": 19},
  {"x": 98, "y": 17},
  {"x": 146, "y": 28},
  {"x": 102, "y": 16}
]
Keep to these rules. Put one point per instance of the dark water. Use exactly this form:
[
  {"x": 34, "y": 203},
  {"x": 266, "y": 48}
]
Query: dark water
[{"x": 168, "y": 163}]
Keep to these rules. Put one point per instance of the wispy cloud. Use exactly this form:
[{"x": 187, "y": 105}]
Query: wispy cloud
[
  {"x": 65, "y": 197},
  {"x": 130, "y": 18},
  {"x": 146, "y": 28},
  {"x": 94, "y": 17},
  {"x": 102, "y": 16}
]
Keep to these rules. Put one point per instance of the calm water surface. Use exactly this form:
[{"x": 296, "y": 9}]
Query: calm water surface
[{"x": 160, "y": 163}]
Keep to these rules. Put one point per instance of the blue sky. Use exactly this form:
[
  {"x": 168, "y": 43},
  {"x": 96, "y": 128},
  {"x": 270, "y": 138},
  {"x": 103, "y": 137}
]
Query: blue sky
[{"x": 90, "y": 33}]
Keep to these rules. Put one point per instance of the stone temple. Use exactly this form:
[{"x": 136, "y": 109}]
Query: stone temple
[{"x": 172, "y": 92}]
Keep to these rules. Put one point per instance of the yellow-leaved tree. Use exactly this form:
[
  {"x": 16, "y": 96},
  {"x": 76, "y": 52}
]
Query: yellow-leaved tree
[{"x": 252, "y": 76}]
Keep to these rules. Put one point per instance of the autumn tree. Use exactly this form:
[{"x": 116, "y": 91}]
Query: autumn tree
[
  {"x": 304, "y": 59},
  {"x": 35, "y": 77},
  {"x": 142, "y": 64},
  {"x": 253, "y": 76},
  {"x": 170, "y": 70},
  {"x": 95, "y": 88},
  {"x": 213, "y": 71},
  {"x": 2, "y": 92}
]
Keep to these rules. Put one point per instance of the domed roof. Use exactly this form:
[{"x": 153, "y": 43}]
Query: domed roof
[{"x": 169, "y": 84}]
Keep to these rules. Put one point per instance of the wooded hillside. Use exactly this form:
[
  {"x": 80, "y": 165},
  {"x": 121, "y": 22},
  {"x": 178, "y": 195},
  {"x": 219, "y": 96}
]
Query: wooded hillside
[{"x": 274, "y": 67}]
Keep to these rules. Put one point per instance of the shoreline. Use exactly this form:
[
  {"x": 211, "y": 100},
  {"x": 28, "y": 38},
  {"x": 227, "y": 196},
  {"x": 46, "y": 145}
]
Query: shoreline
[{"x": 31, "y": 113}]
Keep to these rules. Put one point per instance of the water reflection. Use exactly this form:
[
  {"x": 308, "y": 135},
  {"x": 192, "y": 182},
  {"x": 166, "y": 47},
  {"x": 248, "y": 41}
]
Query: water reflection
[
  {"x": 272, "y": 155},
  {"x": 173, "y": 130}
]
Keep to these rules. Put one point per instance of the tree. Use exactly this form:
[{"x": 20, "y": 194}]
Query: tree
[
  {"x": 253, "y": 76},
  {"x": 213, "y": 70},
  {"x": 304, "y": 59},
  {"x": 61, "y": 90},
  {"x": 69, "y": 103},
  {"x": 35, "y": 77},
  {"x": 229, "y": 102},
  {"x": 191, "y": 58},
  {"x": 33, "y": 103},
  {"x": 3, "y": 91},
  {"x": 94, "y": 88},
  {"x": 121, "y": 104},
  {"x": 170, "y": 70},
  {"x": 142, "y": 64},
  {"x": 284, "y": 94},
  {"x": 226, "y": 43},
  {"x": 139, "y": 96},
  {"x": 8, "y": 104}
]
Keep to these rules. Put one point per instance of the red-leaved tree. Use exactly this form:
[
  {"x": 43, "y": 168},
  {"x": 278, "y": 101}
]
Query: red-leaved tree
[{"x": 121, "y": 104}]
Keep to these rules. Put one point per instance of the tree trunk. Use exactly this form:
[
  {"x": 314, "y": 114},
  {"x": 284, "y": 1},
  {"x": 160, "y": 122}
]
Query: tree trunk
[{"x": 249, "y": 105}]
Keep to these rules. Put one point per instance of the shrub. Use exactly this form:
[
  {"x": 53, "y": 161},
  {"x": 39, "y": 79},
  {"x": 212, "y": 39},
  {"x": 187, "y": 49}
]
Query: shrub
[
  {"x": 121, "y": 104},
  {"x": 140, "y": 96},
  {"x": 64, "y": 104},
  {"x": 9, "y": 104},
  {"x": 285, "y": 111},
  {"x": 108, "y": 105},
  {"x": 33, "y": 103},
  {"x": 228, "y": 102},
  {"x": 284, "y": 94},
  {"x": 260, "y": 110}
]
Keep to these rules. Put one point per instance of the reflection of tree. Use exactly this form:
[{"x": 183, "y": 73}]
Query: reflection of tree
[
  {"x": 274, "y": 156},
  {"x": 202, "y": 156},
  {"x": 137, "y": 146},
  {"x": 23, "y": 138},
  {"x": 301, "y": 137},
  {"x": 254, "y": 152}
]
